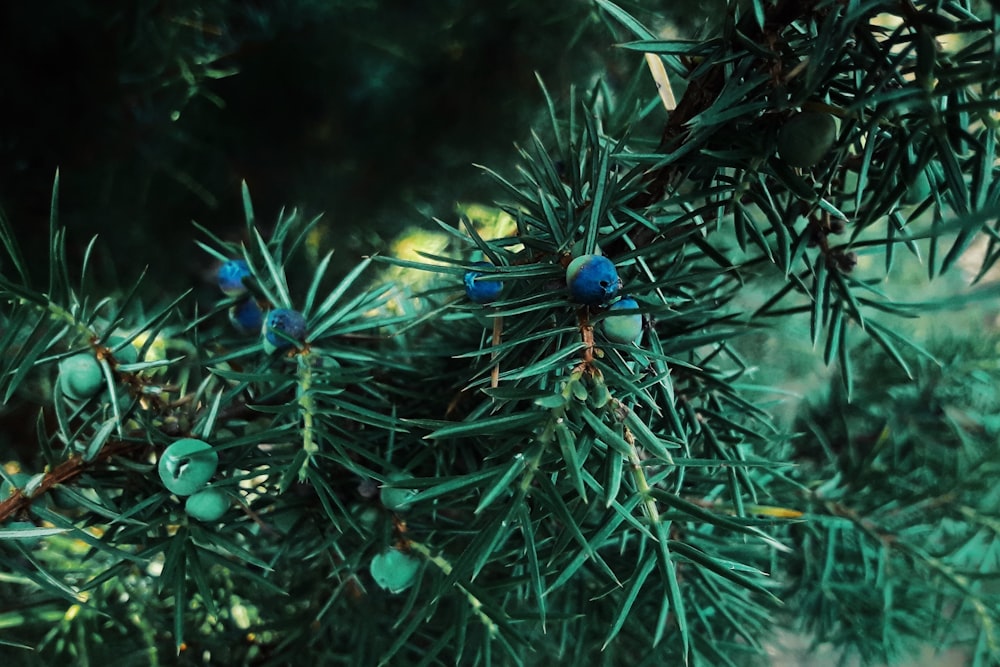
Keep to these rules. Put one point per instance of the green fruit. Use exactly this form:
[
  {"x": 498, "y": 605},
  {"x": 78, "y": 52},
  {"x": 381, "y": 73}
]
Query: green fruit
[
  {"x": 207, "y": 505},
  {"x": 187, "y": 465},
  {"x": 397, "y": 500},
  {"x": 80, "y": 376},
  {"x": 127, "y": 354},
  {"x": 806, "y": 137},
  {"x": 625, "y": 328},
  {"x": 17, "y": 481},
  {"x": 394, "y": 571},
  {"x": 23, "y": 527}
]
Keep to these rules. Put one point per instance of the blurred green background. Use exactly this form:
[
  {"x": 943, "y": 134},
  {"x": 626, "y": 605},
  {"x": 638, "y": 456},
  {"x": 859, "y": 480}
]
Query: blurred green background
[{"x": 372, "y": 112}]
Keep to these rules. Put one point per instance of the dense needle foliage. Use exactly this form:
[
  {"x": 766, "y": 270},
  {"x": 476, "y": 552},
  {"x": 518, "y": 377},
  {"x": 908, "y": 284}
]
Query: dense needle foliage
[{"x": 431, "y": 479}]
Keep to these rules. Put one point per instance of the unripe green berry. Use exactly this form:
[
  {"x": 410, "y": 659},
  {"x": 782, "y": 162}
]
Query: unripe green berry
[
  {"x": 207, "y": 505},
  {"x": 626, "y": 328},
  {"x": 18, "y": 480},
  {"x": 80, "y": 376},
  {"x": 127, "y": 354},
  {"x": 187, "y": 465},
  {"x": 806, "y": 137},
  {"x": 394, "y": 570},
  {"x": 397, "y": 500}
]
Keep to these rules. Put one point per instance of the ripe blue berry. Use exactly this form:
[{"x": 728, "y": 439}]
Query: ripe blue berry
[
  {"x": 187, "y": 465},
  {"x": 592, "y": 280},
  {"x": 626, "y": 328},
  {"x": 80, "y": 376},
  {"x": 246, "y": 317},
  {"x": 282, "y": 323},
  {"x": 481, "y": 291},
  {"x": 394, "y": 570},
  {"x": 231, "y": 275}
]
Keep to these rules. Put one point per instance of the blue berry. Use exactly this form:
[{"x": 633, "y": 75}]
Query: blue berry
[
  {"x": 481, "y": 291},
  {"x": 285, "y": 321},
  {"x": 231, "y": 275},
  {"x": 592, "y": 280},
  {"x": 246, "y": 317},
  {"x": 626, "y": 328}
]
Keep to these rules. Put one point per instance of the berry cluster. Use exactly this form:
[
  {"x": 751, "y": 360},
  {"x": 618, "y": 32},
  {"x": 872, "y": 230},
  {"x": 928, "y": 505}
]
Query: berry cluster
[
  {"x": 185, "y": 469},
  {"x": 592, "y": 281},
  {"x": 281, "y": 329}
]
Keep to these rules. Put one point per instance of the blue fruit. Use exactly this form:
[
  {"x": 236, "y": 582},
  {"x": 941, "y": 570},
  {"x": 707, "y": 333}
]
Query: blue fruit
[
  {"x": 246, "y": 317},
  {"x": 592, "y": 280},
  {"x": 625, "y": 328},
  {"x": 481, "y": 291},
  {"x": 284, "y": 321},
  {"x": 231, "y": 275}
]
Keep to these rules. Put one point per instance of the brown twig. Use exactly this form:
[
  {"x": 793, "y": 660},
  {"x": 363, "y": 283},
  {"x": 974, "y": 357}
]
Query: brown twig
[{"x": 69, "y": 469}]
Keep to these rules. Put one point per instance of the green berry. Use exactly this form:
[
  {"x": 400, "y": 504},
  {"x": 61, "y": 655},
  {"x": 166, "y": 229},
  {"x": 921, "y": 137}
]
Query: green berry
[
  {"x": 397, "y": 500},
  {"x": 207, "y": 505},
  {"x": 17, "y": 481},
  {"x": 806, "y": 137},
  {"x": 80, "y": 376},
  {"x": 127, "y": 354},
  {"x": 625, "y": 328},
  {"x": 187, "y": 465},
  {"x": 394, "y": 570}
]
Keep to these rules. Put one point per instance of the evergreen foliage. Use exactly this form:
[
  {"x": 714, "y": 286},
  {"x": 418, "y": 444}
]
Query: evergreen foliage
[{"x": 410, "y": 476}]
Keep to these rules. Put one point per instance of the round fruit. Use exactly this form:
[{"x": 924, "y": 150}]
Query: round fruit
[
  {"x": 624, "y": 328},
  {"x": 17, "y": 481},
  {"x": 806, "y": 137},
  {"x": 285, "y": 321},
  {"x": 231, "y": 275},
  {"x": 592, "y": 280},
  {"x": 246, "y": 317},
  {"x": 481, "y": 291},
  {"x": 207, "y": 505},
  {"x": 397, "y": 500},
  {"x": 187, "y": 465},
  {"x": 394, "y": 571},
  {"x": 22, "y": 527},
  {"x": 80, "y": 376},
  {"x": 126, "y": 354}
]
